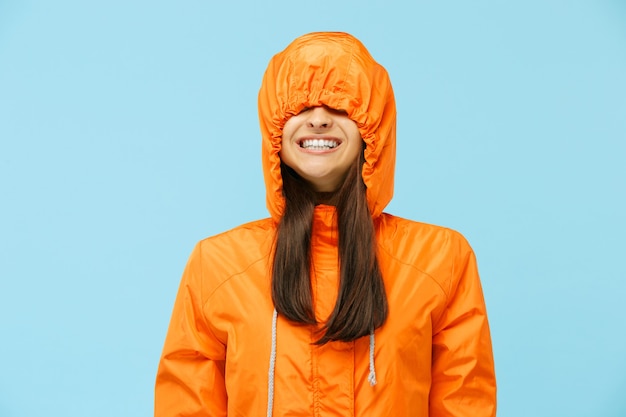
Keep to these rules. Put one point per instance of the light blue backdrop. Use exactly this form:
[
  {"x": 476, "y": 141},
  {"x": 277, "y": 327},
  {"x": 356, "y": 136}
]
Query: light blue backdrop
[{"x": 128, "y": 131}]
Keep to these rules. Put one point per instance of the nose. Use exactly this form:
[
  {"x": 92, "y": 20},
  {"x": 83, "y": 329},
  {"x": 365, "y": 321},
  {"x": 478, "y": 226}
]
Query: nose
[{"x": 319, "y": 118}]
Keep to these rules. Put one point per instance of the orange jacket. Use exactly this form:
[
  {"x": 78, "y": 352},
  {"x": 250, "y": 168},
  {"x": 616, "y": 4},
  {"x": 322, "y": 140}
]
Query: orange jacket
[{"x": 433, "y": 355}]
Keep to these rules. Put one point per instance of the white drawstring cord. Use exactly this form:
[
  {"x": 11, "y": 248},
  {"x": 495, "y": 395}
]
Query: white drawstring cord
[
  {"x": 270, "y": 377},
  {"x": 372, "y": 376}
]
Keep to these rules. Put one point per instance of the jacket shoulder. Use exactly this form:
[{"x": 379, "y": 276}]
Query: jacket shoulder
[
  {"x": 257, "y": 230},
  {"x": 220, "y": 257},
  {"x": 434, "y": 250},
  {"x": 394, "y": 227}
]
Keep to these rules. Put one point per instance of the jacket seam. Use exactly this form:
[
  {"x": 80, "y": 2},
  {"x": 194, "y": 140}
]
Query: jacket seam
[
  {"x": 204, "y": 317},
  {"x": 445, "y": 293},
  {"x": 227, "y": 279},
  {"x": 240, "y": 271},
  {"x": 205, "y": 302},
  {"x": 432, "y": 278}
]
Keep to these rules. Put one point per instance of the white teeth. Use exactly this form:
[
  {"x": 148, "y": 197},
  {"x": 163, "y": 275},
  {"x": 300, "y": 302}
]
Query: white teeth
[{"x": 318, "y": 144}]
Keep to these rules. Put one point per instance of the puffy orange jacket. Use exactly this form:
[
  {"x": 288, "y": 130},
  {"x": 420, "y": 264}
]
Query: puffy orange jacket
[{"x": 224, "y": 356}]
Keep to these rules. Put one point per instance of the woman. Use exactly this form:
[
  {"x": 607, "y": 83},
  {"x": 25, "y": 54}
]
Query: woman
[{"x": 330, "y": 307}]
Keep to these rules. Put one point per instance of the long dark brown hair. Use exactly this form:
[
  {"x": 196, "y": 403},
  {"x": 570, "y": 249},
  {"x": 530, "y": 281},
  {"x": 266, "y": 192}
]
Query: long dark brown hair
[{"x": 361, "y": 304}]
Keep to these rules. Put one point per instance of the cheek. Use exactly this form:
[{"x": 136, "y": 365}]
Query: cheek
[
  {"x": 356, "y": 148},
  {"x": 286, "y": 154},
  {"x": 288, "y": 134},
  {"x": 290, "y": 127},
  {"x": 284, "y": 140},
  {"x": 356, "y": 143}
]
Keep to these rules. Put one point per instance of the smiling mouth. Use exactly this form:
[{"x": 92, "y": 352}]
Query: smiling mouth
[{"x": 319, "y": 144}]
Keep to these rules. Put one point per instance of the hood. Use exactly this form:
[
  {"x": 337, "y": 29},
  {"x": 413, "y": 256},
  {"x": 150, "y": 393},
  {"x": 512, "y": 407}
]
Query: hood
[{"x": 335, "y": 70}]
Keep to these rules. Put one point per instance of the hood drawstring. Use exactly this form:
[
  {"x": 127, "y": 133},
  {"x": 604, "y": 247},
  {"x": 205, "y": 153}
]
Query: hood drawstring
[
  {"x": 270, "y": 377},
  {"x": 371, "y": 378}
]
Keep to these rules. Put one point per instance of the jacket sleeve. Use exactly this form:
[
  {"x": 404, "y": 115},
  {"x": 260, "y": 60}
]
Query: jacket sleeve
[
  {"x": 463, "y": 375},
  {"x": 190, "y": 377}
]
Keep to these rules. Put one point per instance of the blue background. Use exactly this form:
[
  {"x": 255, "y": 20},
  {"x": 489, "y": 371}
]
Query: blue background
[{"x": 128, "y": 131}]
